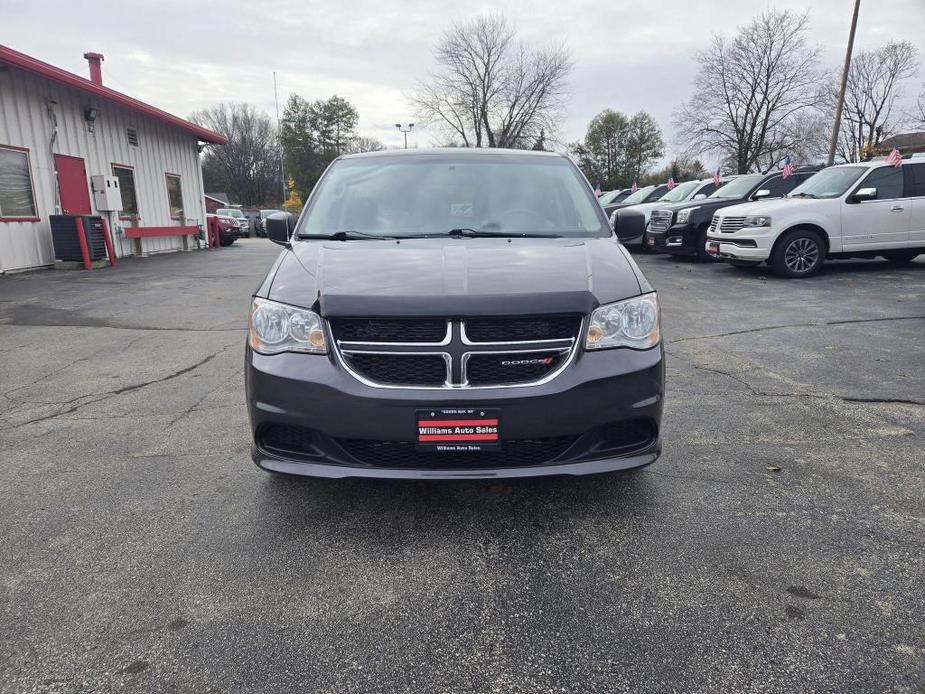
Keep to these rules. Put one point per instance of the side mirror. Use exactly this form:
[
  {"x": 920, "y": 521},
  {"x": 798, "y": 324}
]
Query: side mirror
[
  {"x": 864, "y": 194},
  {"x": 700, "y": 196},
  {"x": 763, "y": 193},
  {"x": 279, "y": 227}
]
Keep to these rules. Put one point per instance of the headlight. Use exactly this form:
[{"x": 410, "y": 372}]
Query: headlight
[
  {"x": 685, "y": 215},
  {"x": 631, "y": 323},
  {"x": 757, "y": 221},
  {"x": 276, "y": 328}
]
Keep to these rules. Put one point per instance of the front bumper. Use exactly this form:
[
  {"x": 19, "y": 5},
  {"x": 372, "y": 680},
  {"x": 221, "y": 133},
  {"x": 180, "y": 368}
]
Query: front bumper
[
  {"x": 599, "y": 393},
  {"x": 753, "y": 243},
  {"x": 677, "y": 240}
]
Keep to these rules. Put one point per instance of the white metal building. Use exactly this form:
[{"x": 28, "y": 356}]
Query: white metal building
[{"x": 57, "y": 130}]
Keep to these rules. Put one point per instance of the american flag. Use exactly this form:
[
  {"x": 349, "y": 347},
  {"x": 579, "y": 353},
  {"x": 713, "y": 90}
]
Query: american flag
[
  {"x": 634, "y": 188},
  {"x": 597, "y": 191},
  {"x": 670, "y": 183},
  {"x": 895, "y": 158},
  {"x": 788, "y": 167},
  {"x": 716, "y": 178}
]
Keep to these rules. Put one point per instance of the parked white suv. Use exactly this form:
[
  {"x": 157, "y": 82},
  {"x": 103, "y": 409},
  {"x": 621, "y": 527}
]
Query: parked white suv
[{"x": 853, "y": 210}]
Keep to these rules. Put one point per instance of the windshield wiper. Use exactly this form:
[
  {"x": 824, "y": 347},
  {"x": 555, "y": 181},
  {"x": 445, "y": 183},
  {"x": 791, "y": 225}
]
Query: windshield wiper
[
  {"x": 802, "y": 195},
  {"x": 345, "y": 235},
  {"x": 476, "y": 233}
]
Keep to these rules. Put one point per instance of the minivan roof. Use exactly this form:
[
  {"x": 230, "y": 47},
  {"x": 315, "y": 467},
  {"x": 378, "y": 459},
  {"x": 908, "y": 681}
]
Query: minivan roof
[{"x": 463, "y": 151}]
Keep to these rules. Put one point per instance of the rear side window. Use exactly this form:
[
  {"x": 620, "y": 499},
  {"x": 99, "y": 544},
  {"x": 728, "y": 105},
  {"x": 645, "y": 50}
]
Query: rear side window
[
  {"x": 780, "y": 186},
  {"x": 888, "y": 180},
  {"x": 915, "y": 180}
]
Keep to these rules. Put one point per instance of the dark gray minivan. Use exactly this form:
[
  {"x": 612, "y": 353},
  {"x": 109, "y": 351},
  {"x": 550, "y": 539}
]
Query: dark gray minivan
[{"x": 453, "y": 313}]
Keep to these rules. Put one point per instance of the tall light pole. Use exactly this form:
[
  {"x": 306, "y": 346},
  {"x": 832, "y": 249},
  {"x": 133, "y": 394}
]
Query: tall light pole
[
  {"x": 839, "y": 107},
  {"x": 279, "y": 139},
  {"x": 404, "y": 131}
]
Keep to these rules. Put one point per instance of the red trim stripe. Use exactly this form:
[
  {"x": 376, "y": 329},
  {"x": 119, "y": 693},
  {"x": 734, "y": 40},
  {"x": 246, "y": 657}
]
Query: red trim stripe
[
  {"x": 458, "y": 437},
  {"x": 457, "y": 422}
]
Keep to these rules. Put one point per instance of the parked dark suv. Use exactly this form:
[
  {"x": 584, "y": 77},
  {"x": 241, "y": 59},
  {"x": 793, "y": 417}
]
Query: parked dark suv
[
  {"x": 453, "y": 314},
  {"x": 681, "y": 228}
]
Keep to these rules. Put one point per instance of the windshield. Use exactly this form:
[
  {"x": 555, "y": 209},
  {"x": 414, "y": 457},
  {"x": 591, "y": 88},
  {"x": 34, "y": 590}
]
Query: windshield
[
  {"x": 829, "y": 183},
  {"x": 737, "y": 187},
  {"x": 230, "y": 212},
  {"x": 680, "y": 192},
  {"x": 408, "y": 195},
  {"x": 608, "y": 197},
  {"x": 639, "y": 195}
]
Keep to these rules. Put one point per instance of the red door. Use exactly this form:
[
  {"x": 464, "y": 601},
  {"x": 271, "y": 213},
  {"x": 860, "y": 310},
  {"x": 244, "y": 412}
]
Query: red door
[{"x": 72, "y": 185}]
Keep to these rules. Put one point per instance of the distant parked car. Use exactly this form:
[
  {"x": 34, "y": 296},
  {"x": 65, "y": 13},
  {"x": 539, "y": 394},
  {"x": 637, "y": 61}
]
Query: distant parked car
[
  {"x": 228, "y": 228},
  {"x": 645, "y": 194},
  {"x": 681, "y": 228},
  {"x": 611, "y": 197},
  {"x": 262, "y": 221},
  {"x": 629, "y": 223},
  {"x": 849, "y": 211},
  {"x": 244, "y": 224}
]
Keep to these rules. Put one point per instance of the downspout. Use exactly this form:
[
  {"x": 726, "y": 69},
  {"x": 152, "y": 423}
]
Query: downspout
[{"x": 50, "y": 109}]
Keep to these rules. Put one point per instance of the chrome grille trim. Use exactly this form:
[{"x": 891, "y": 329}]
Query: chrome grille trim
[
  {"x": 660, "y": 220},
  {"x": 730, "y": 225},
  {"x": 516, "y": 347}
]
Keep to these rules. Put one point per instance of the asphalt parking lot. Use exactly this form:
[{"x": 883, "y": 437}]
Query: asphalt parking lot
[{"x": 777, "y": 546}]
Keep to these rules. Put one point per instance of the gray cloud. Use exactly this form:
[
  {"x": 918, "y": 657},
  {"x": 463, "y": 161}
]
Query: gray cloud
[{"x": 629, "y": 54}]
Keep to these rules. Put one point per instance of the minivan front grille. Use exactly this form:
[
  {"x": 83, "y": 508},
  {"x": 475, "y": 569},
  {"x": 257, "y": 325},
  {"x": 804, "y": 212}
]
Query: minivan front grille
[
  {"x": 389, "y": 329},
  {"x": 430, "y": 370},
  {"x": 406, "y": 454},
  {"x": 480, "y": 352},
  {"x": 660, "y": 220}
]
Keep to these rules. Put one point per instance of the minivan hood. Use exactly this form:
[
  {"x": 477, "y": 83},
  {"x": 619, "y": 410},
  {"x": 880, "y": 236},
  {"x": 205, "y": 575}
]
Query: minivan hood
[{"x": 455, "y": 277}]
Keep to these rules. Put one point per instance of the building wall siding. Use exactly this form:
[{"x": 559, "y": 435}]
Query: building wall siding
[{"x": 25, "y": 122}]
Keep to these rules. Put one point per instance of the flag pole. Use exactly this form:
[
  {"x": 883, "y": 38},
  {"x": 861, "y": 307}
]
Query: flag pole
[{"x": 840, "y": 105}]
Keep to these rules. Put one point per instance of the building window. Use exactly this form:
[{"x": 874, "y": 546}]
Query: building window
[
  {"x": 132, "y": 136},
  {"x": 175, "y": 196},
  {"x": 126, "y": 176},
  {"x": 17, "y": 196}
]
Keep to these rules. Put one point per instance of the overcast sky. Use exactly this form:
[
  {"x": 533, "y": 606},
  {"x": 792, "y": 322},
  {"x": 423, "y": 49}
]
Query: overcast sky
[{"x": 629, "y": 54}]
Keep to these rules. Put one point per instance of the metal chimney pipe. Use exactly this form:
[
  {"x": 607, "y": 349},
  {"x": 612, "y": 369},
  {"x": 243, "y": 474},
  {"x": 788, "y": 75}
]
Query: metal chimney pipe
[{"x": 96, "y": 68}]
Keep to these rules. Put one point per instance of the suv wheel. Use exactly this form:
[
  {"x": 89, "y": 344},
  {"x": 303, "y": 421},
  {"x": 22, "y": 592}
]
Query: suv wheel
[
  {"x": 901, "y": 256},
  {"x": 799, "y": 253},
  {"x": 701, "y": 249}
]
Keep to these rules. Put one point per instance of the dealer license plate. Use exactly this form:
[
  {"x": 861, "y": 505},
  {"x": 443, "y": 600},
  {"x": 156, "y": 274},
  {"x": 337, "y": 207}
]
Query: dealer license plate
[{"x": 458, "y": 429}]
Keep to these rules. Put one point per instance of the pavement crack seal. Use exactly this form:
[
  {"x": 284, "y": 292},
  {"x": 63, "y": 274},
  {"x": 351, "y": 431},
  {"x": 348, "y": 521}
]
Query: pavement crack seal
[
  {"x": 746, "y": 331},
  {"x": 98, "y": 397},
  {"x": 825, "y": 396}
]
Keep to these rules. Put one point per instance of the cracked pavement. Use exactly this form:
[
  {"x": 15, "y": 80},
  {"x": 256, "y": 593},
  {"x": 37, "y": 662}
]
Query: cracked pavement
[{"x": 777, "y": 546}]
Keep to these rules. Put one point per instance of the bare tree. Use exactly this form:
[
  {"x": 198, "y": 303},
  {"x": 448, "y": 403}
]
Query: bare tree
[
  {"x": 491, "y": 90},
  {"x": 361, "y": 143},
  {"x": 247, "y": 168},
  {"x": 918, "y": 112},
  {"x": 751, "y": 91},
  {"x": 874, "y": 82}
]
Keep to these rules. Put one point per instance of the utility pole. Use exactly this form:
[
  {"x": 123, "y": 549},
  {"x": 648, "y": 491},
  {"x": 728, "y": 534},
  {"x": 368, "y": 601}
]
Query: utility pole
[
  {"x": 279, "y": 140},
  {"x": 839, "y": 107},
  {"x": 405, "y": 131}
]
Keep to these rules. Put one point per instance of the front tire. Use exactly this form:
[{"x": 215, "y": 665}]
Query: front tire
[
  {"x": 900, "y": 257},
  {"x": 799, "y": 253}
]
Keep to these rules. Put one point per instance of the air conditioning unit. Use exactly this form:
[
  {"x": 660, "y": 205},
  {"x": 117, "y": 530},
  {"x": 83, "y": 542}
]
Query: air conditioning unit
[
  {"x": 107, "y": 196},
  {"x": 67, "y": 243}
]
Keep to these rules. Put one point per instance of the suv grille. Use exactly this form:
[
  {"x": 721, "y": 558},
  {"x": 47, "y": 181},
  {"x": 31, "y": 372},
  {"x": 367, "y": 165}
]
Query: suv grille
[
  {"x": 471, "y": 353},
  {"x": 729, "y": 225},
  {"x": 405, "y": 454},
  {"x": 660, "y": 220}
]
